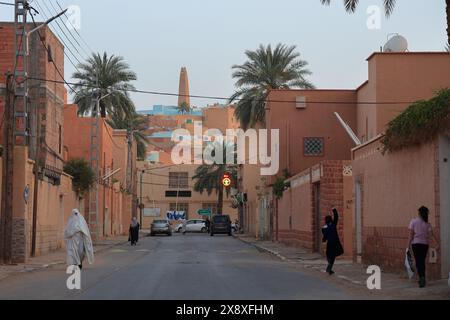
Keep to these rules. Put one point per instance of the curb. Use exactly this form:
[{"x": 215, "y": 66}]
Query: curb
[
  {"x": 263, "y": 249},
  {"x": 56, "y": 263}
]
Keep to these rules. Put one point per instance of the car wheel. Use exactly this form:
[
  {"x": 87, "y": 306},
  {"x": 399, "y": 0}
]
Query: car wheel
[
  {"x": 152, "y": 234},
  {"x": 229, "y": 234},
  {"x": 212, "y": 234},
  {"x": 203, "y": 230}
]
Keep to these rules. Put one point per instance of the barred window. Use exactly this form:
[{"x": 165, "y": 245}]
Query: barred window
[
  {"x": 313, "y": 147},
  {"x": 178, "y": 180}
]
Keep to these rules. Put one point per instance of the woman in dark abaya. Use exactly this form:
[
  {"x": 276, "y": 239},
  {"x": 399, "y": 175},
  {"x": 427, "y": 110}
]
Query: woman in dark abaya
[
  {"x": 134, "y": 231},
  {"x": 331, "y": 237}
]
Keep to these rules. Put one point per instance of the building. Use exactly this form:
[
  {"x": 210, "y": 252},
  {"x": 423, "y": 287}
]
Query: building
[
  {"x": 161, "y": 176},
  {"x": 183, "y": 92},
  {"x": 377, "y": 194},
  {"x": 36, "y": 227},
  {"x": 115, "y": 202}
]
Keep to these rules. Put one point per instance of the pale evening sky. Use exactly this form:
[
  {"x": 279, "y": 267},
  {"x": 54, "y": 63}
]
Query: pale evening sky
[{"x": 157, "y": 38}]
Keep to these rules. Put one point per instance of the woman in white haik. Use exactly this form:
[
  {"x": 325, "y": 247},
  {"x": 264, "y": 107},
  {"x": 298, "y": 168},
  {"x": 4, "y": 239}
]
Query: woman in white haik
[{"x": 78, "y": 240}]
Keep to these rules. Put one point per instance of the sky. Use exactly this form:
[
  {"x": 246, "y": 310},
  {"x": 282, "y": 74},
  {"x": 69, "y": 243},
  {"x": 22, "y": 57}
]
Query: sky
[{"x": 208, "y": 37}]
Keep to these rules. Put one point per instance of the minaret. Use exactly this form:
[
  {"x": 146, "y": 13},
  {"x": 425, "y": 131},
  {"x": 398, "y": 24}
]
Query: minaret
[{"x": 184, "y": 88}]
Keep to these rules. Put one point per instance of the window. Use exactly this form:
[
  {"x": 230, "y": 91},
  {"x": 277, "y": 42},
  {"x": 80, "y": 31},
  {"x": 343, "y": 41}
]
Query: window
[
  {"x": 178, "y": 180},
  {"x": 49, "y": 54},
  {"x": 210, "y": 206},
  {"x": 178, "y": 194},
  {"x": 180, "y": 207},
  {"x": 313, "y": 147}
]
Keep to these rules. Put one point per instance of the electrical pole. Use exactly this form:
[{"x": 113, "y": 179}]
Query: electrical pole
[
  {"x": 7, "y": 174},
  {"x": 95, "y": 163}
]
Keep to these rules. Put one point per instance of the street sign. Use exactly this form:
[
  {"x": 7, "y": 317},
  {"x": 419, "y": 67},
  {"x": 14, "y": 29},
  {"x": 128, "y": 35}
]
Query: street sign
[
  {"x": 226, "y": 180},
  {"x": 204, "y": 212}
]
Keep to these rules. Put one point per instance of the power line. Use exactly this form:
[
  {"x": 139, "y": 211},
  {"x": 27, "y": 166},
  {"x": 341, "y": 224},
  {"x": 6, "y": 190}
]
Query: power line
[
  {"x": 70, "y": 32},
  {"x": 7, "y": 3},
  {"x": 76, "y": 31},
  {"x": 53, "y": 62},
  {"x": 60, "y": 38},
  {"x": 239, "y": 99},
  {"x": 55, "y": 11}
]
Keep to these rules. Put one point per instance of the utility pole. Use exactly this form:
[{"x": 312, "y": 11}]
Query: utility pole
[
  {"x": 7, "y": 178},
  {"x": 95, "y": 163}
]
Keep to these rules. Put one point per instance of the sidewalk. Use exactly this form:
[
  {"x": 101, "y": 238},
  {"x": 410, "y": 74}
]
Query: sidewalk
[
  {"x": 352, "y": 275},
  {"x": 55, "y": 258}
]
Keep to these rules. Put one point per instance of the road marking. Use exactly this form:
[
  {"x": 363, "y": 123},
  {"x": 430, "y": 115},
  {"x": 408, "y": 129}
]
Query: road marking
[{"x": 118, "y": 250}]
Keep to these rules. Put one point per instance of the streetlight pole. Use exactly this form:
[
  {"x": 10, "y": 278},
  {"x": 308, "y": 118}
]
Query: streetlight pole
[
  {"x": 37, "y": 152},
  {"x": 141, "y": 205}
]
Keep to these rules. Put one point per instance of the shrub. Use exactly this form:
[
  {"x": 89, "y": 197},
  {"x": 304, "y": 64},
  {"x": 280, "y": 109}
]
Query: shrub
[
  {"x": 82, "y": 173},
  {"x": 420, "y": 123}
]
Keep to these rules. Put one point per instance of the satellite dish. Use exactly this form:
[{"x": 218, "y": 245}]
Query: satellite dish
[{"x": 397, "y": 43}]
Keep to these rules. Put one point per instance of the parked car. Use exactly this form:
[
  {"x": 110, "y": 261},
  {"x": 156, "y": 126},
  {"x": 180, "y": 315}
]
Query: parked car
[
  {"x": 193, "y": 225},
  {"x": 221, "y": 224},
  {"x": 160, "y": 227}
]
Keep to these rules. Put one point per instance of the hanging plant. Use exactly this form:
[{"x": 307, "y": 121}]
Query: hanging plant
[{"x": 418, "y": 124}]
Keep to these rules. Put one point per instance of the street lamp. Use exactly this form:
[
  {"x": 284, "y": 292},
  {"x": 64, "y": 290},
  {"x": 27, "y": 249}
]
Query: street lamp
[{"x": 36, "y": 162}]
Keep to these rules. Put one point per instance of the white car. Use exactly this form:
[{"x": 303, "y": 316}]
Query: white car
[{"x": 193, "y": 225}]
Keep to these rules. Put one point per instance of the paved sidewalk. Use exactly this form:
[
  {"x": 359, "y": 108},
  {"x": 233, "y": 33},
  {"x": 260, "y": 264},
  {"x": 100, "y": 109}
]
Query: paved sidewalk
[
  {"x": 353, "y": 275},
  {"x": 55, "y": 258}
]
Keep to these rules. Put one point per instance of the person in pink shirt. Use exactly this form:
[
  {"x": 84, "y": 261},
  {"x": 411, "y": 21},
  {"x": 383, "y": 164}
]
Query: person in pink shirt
[{"x": 420, "y": 232}]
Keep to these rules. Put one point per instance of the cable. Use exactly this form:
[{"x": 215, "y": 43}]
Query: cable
[
  {"x": 56, "y": 67},
  {"x": 76, "y": 31},
  {"x": 112, "y": 139},
  {"x": 7, "y": 4},
  {"x": 61, "y": 39},
  {"x": 223, "y": 98},
  {"x": 70, "y": 32}
]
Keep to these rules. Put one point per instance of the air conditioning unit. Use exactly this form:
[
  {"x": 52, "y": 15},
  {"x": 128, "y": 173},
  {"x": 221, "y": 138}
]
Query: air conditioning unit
[{"x": 300, "y": 103}]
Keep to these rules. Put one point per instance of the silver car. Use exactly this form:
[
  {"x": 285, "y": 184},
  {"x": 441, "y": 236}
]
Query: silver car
[{"x": 160, "y": 227}]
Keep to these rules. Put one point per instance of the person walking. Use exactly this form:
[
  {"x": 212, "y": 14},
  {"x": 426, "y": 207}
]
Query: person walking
[
  {"x": 78, "y": 240},
  {"x": 133, "y": 233},
  {"x": 331, "y": 237},
  {"x": 207, "y": 224},
  {"x": 420, "y": 232}
]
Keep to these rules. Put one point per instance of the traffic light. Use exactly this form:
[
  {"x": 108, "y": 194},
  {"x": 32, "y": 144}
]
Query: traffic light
[{"x": 226, "y": 180}]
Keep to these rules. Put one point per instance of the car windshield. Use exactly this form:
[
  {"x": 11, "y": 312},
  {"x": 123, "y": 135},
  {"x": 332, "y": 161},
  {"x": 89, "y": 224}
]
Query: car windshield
[
  {"x": 221, "y": 219},
  {"x": 160, "y": 221}
]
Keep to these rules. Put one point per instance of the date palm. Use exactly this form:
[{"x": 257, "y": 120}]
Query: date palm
[
  {"x": 350, "y": 6},
  {"x": 208, "y": 178},
  {"x": 266, "y": 69},
  {"x": 114, "y": 77},
  {"x": 135, "y": 124},
  {"x": 184, "y": 108}
]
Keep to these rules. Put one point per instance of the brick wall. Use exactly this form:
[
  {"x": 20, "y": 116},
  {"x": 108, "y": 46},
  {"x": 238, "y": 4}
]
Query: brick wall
[{"x": 297, "y": 221}]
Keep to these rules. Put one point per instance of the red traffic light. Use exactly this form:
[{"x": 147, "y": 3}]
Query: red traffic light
[{"x": 226, "y": 180}]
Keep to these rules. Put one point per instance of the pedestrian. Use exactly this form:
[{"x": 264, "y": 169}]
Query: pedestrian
[
  {"x": 133, "y": 233},
  {"x": 420, "y": 232},
  {"x": 207, "y": 224},
  {"x": 78, "y": 240},
  {"x": 331, "y": 237}
]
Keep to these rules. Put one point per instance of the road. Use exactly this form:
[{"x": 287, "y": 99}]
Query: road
[{"x": 190, "y": 267}]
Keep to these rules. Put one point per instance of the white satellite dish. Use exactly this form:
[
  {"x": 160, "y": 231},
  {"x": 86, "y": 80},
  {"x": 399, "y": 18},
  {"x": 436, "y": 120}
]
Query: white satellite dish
[{"x": 397, "y": 43}]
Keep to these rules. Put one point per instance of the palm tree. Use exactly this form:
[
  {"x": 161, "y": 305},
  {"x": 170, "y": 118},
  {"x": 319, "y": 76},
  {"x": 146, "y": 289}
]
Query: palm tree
[
  {"x": 264, "y": 70},
  {"x": 208, "y": 178},
  {"x": 135, "y": 123},
  {"x": 184, "y": 108},
  {"x": 114, "y": 78},
  {"x": 350, "y": 6}
]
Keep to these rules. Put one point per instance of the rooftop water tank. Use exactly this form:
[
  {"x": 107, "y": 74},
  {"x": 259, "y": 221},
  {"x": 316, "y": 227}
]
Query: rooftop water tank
[{"x": 397, "y": 43}]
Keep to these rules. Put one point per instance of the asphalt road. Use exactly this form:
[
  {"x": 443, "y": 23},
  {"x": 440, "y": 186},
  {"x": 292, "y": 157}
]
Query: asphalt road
[{"x": 191, "y": 267}]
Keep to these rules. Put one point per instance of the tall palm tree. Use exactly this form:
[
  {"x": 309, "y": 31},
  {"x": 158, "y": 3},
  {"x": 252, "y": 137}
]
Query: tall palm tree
[
  {"x": 136, "y": 124},
  {"x": 208, "y": 178},
  {"x": 114, "y": 77},
  {"x": 266, "y": 69},
  {"x": 350, "y": 6},
  {"x": 184, "y": 108}
]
